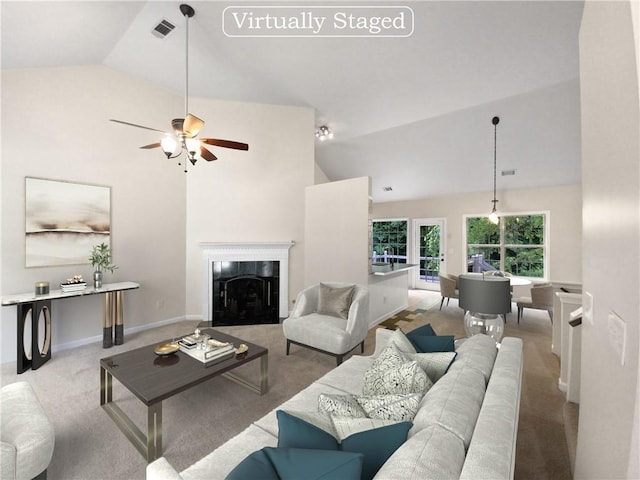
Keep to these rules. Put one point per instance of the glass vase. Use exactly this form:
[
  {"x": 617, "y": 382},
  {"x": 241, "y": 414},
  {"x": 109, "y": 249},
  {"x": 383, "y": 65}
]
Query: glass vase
[{"x": 484, "y": 323}]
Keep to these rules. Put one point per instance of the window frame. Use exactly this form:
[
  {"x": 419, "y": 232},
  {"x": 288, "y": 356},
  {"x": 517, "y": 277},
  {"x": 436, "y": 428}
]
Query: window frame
[
  {"x": 407, "y": 239},
  {"x": 503, "y": 246}
]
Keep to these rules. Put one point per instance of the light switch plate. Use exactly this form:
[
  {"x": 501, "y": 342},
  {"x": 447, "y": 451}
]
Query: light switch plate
[
  {"x": 617, "y": 334},
  {"x": 587, "y": 307}
]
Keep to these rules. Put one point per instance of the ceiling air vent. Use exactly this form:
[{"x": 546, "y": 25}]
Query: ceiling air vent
[{"x": 163, "y": 29}]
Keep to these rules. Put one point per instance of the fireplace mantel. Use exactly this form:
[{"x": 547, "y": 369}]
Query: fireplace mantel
[{"x": 247, "y": 251}]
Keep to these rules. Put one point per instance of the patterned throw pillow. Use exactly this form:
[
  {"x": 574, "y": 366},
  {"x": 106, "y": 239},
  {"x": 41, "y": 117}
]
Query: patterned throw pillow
[
  {"x": 335, "y": 301},
  {"x": 342, "y": 405},
  {"x": 400, "y": 407},
  {"x": 402, "y": 341},
  {"x": 393, "y": 373},
  {"x": 391, "y": 407},
  {"x": 436, "y": 364}
]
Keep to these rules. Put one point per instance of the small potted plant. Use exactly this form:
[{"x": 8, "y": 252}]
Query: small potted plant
[{"x": 101, "y": 260}]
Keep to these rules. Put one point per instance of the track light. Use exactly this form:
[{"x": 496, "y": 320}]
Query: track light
[{"x": 323, "y": 133}]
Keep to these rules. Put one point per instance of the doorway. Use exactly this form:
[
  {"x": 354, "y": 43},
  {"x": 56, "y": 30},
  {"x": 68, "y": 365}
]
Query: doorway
[{"x": 429, "y": 250}]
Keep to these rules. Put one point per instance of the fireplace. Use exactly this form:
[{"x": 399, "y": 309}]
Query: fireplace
[
  {"x": 245, "y": 283},
  {"x": 245, "y": 293}
]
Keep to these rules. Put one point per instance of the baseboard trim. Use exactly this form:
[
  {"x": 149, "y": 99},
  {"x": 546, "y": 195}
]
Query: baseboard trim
[
  {"x": 384, "y": 317},
  {"x": 98, "y": 338}
]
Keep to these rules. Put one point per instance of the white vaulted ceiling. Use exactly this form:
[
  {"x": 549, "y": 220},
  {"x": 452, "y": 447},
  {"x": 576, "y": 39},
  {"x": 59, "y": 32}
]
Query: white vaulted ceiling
[{"x": 414, "y": 113}]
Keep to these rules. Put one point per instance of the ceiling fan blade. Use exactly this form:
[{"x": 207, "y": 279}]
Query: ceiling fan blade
[
  {"x": 192, "y": 125},
  {"x": 151, "y": 145},
  {"x": 134, "y": 125},
  {"x": 206, "y": 154},
  {"x": 225, "y": 143}
]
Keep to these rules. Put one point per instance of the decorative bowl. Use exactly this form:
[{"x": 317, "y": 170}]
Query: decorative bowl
[{"x": 166, "y": 349}]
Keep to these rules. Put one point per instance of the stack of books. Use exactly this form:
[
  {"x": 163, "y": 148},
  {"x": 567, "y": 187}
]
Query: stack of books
[
  {"x": 214, "y": 351},
  {"x": 216, "y": 354}
]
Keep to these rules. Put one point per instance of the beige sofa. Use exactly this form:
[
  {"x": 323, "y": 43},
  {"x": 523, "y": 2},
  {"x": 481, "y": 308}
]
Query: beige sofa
[{"x": 465, "y": 427}]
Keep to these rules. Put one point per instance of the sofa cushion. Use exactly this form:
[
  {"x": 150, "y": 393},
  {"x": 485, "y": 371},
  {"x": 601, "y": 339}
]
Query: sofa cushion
[
  {"x": 294, "y": 463},
  {"x": 376, "y": 440},
  {"x": 350, "y": 376},
  {"x": 479, "y": 352},
  {"x": 335, "y": 301},
  {"x": 492, "y": 450},
  {"x": 326, "y": 332},
  {"x": 392, "y": 372},
  {"x": 453, "y": 403},
  {"x": 432, "y": 453},
  {"x": 224, "y": 458}
]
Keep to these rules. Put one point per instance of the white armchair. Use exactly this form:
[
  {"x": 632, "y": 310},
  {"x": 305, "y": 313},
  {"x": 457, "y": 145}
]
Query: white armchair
[
  {"x": 27, "y": 435},
  {"x": 329, "y": 319}
]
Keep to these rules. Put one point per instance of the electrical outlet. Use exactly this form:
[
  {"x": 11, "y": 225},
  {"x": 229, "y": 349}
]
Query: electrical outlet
[{"x": 617, "y": 334}]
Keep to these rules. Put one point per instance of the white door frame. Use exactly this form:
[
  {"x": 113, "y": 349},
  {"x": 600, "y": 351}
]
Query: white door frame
[{"x": 415, "y": 250}]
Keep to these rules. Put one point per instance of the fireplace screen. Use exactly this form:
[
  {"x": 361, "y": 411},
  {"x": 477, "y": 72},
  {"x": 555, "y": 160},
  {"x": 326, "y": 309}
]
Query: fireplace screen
[{"x": 245, "y": 293}]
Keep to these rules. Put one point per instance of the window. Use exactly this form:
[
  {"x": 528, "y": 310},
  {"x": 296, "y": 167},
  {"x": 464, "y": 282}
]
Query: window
[
  {"x": 386, "y": 234},
  {"x": 516, "y": 245}
]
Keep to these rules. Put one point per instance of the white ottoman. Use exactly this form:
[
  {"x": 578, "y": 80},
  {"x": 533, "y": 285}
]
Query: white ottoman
[{"x": 26, "y": 434}]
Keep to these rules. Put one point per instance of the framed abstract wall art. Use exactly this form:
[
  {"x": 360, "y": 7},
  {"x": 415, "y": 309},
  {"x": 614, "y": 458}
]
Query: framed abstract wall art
[{"x": 64, "y": 220}]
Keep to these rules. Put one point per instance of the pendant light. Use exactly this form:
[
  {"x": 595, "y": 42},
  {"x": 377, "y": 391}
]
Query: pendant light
[{"x": 493, "y": 216}]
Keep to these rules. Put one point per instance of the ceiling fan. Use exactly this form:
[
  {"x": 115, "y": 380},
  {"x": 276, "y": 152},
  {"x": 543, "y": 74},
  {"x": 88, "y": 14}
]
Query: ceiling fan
[{"x": 186, "y": 130}]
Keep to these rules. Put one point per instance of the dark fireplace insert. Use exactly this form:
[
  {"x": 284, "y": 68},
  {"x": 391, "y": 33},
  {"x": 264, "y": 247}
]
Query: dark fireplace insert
[{"x": 245, "y": 293}]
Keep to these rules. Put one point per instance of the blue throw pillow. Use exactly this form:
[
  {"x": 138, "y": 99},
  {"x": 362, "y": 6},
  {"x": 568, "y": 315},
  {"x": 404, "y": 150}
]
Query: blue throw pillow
[
  {"x": 299, "y": 463},
  {"x": 293, "y": 432},
  {"x": 294, "y": 463},
  {"x": 431, "y": 343},
  {"x": 256, "y": 465},
  {"x": 423, "y": 330},
  {"x": 377, "y": 444}
]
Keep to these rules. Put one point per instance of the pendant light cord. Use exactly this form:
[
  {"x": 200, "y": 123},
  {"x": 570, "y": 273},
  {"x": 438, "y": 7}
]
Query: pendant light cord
[
  {"x": 186, "y": 69},
  {"x": 495, "y": 122},
  {"x": 495, "y": 140}
]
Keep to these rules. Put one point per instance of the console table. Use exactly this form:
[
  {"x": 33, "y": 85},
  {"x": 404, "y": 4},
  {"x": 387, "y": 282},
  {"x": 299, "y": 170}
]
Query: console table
[{"x": 40, "y": 305}]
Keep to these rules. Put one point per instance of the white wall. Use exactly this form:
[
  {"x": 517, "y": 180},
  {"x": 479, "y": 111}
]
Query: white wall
[
  {"x": 337, "y": 232},
  {"x": 55, "y": 125},
  {"x": 252, "y": 196},
  {"x": 608, "y": 430},
  {"x": 563, "y": 203}
]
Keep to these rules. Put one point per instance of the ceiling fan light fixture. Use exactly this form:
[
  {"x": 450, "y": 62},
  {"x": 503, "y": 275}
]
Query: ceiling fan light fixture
[
  {"x": 186, "y": 130},
  {"x": 192, "y": 146},
  {"x": 169, "y": 145}
]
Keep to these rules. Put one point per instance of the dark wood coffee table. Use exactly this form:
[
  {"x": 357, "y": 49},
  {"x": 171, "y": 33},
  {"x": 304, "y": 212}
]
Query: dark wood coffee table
[{"x": 152, "y": 379}]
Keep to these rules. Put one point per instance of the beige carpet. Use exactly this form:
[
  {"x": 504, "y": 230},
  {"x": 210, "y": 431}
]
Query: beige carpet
[{"x": 89, "y": 445}]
